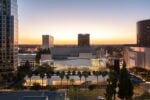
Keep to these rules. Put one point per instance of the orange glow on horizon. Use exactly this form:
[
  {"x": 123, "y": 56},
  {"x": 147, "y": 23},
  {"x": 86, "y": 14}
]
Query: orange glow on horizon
[
  {"x": 69, "y": 35},
  {"x": 75, "y": 41}
]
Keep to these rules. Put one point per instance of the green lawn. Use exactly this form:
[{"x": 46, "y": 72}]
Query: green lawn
[
  {"x": 86, "y": 94},
  {"x": 96, "y": 92}
]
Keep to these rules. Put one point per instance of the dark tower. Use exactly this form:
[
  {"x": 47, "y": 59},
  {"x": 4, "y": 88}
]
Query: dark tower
[
  {"x": 143, "y": 33},
  {"x": 8, "y": 35},
  {"x": 83, "y": 40}
]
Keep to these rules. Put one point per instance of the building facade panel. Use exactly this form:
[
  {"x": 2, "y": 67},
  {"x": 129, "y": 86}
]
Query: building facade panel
[
  {"x": 8, "y": 35},
  {"x": 137, "y": 57}
]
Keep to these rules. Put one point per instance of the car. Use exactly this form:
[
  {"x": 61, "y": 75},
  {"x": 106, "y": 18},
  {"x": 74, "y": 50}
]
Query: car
[
  {"x": 100, "y": 98},
  {"x": 135, "y": 79}
]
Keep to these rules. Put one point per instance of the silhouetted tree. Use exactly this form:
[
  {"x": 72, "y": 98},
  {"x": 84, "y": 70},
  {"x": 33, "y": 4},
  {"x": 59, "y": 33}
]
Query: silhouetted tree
[
  {"x": 61, "y": 75},
  {"x": 48, "y": 77},
  {"x": 104, "y": 74},
  {"x": 73, "y": 72},
  {"x": 38, "y": 56},
  {"x": 109, "y": 90},
  {"x": 125, "y": 85},
  {"x": 36, "y": 86},
  {"x": 69, "y": 72},
  {"x": 114, "y": 83},
  {"x": 29, "y": 76},
  {"x": 96, "y": 74},
  {"x": 67, "y": 77},
  {"x": 40, "y": 52},
  {"x": 117, "y": 66},
  {"x": 85, "y": 74},
  {"x": 57, "y": 73},
  {"x": 72, "y": 81},
  {"x": 80, "y": 75},
  {"x": 27, "y": 67},
  {"x": 42, "y": 75}
]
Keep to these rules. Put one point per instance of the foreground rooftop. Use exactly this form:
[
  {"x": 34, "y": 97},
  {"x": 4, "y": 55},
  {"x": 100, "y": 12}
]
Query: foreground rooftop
[{"x": 32, "y": 95}]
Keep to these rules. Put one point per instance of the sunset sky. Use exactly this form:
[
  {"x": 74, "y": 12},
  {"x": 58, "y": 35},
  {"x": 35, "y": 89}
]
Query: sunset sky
[{"x": 107, "y": 21}]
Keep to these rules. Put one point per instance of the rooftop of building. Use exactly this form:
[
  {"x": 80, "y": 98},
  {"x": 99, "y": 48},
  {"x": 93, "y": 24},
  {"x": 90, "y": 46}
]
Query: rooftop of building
[
  {"x": 32, "y": 95},
  {"x": 145, "y": 20}
]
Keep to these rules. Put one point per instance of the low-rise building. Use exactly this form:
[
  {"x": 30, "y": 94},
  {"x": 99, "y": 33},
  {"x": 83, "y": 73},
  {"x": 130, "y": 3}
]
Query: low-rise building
[
  {"x": 137, "y": 56},
  {"x": 63, "y": 52},
  {"x": 46, "y": 59},
  {"x": 35, "y": 79},
  {"x": 23, "y": 57}
]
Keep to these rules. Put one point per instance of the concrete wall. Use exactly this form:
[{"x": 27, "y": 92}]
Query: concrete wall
[
  {"x": 85, "y": 55},
  {"x": 46, "y": 57},
  {"x": 147, "y": 58},
  {"x": 70, "y": 51}
]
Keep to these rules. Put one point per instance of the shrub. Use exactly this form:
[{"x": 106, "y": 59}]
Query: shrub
[
  {"x": 36, "y": 86},
  {"x": 91, "y": 87}
]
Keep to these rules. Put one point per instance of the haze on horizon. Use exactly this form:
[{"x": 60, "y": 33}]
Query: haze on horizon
[{"x": 107, "y": 21}]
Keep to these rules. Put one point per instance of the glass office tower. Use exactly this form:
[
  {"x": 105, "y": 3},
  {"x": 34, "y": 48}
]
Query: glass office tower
[{"x": 8, "y": 35}]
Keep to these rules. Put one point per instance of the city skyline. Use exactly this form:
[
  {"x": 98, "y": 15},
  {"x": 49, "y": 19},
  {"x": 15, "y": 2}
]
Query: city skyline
[{"x": 107, "y": 22}]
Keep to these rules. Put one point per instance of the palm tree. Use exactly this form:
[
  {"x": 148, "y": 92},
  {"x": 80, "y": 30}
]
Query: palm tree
[
  {"x": 104, "y": 73},
  {"x": 85, "y": 74},
  {"x": 30, "y": 76},
  {"x": 42, "y": 76},
  {"x": 80, "y": 75},
  {"x": 49, "y": 69},
  {"x": 61, "y": 75},
  {"x": 57, "y": 73},
  {"x": 48, "y": 77},
  {"x": 73, "y": 72},
  {"x": 96, "y": 74},
  {"x": 89, "y": 73},
  {"x": 69, "y": 72},
  {"x": 67, "y": 77},
  {"x": 72, "y": 81},
  {"x": 49, "y": 72}
]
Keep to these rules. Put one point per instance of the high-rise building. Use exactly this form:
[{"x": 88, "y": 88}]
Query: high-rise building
[
  {"x": 8, "y": 35},
  {"x": 83, "y": 40},
  {"x": 47, "y": 41},
  {"x": 143, "y": 33}
]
